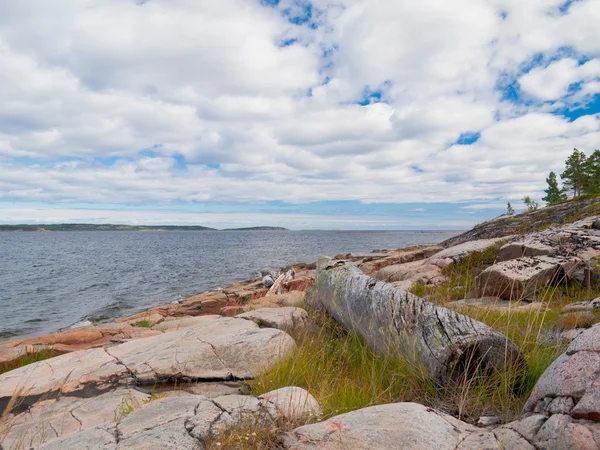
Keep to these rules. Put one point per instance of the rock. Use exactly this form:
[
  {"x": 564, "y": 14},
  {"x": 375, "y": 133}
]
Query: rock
[
  {"x": 591, "y": 305},
  {"x": 497, "y": 304},
  {"x": 268, "y": 280},
  {"x": 393, "y": 321},
  {"x": 218, "y": 349},
  {"x": 530, "y": 221},
  {"x": 398, "y": 426},
  {"x": 568, "y": 393},
  {"x": 402, "y": 256},
  {"x": 416, "y": 272},
  {"x": 230, "y": 311},
  {"x": 289, "y": 319},
  {"x": 518, "y": 279},
  {"x": 486, "y": 421},
  {"x": 459, "y": 251},
  {"x": 596, "y": 224},
  {"x": 178, "y": 423},
  {"x": 100, "y": 438},
  {"x": 293, "y": 403},
  {"x": 51, "y": 419},
  {"x": 178, "y": 323},
  {"x": 569, "y": 335},
  {"x": 514, "y": 250},
  {"x": 152, "y": 319}
]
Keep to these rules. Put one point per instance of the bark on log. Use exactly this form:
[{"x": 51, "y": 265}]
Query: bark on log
[{"x": 390, "y": 320}]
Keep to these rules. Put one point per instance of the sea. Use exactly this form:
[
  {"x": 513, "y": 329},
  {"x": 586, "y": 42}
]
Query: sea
[{"x": 56, "y": 280}]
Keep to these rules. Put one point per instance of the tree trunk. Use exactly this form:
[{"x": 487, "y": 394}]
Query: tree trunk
[{"x": 392, "y": 321}]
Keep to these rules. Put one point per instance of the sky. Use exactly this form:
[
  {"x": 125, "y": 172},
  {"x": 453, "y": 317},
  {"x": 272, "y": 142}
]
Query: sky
[{"x": 346, "y": 114}]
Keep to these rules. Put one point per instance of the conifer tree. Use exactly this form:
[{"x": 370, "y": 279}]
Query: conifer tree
[
  {"x": 554, "y": 194},
  {"x": 575, "y": 172},
  {"x": 592, "y": 173}
]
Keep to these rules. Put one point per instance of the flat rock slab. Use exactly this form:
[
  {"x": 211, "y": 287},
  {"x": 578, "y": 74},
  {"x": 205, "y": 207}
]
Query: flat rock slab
[
  {"x": 458, "y": 252},
  {"x": 397, "y": 426},
  {"x": 223, "y": 348},
  {"x": 180, "y": 423},
  {"x": 288, "y": 318},
  {"x": 53, "y": 419}
]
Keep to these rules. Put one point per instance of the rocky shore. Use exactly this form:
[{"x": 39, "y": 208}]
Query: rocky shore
[{"x": 175, "y": 376}]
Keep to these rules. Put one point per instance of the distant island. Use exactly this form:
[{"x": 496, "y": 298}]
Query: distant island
[
  {"x": 112, "y": 227},
  {"x": 257, "y": 229}
]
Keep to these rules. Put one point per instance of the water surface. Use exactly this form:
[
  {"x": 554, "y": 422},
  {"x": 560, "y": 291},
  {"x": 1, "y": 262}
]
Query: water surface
[{"x": 54, "y": 280}]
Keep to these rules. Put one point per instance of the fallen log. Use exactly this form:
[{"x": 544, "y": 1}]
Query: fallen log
[
  {"x": 446, "y": 344},
  {"x": 279, "y": 284}
]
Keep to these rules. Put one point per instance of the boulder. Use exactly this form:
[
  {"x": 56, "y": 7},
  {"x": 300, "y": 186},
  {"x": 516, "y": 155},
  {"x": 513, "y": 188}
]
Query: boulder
[
  {"x": 293, "y": 403},
  {"x": 401, "y": 426},
  {"x": 567, "y": 397},
  {"x": 289, "y": 318},
  {"x": 223, "y": 348},
  {"x": 519, "y": 279},
  {"x": 415, "y": 272},
  {"x": 391, "y": 320}
]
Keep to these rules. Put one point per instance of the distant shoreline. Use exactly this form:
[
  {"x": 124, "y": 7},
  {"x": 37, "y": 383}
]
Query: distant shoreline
[{"x": 112, "y": 227}]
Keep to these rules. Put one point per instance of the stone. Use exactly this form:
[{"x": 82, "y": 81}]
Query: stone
[
  {"x": 392, "y": 321},
  {"x": 230, "y": 311},
  {"x": 293, "y": 403},
  {"x": 587, "y": 306},
  {"x": 514, "y": 250},
  {"x": 223, "y": 348},
  {"x": 52, "y": 419},
  {"x": 178, "y": 323},
  {"x": 289, "y": 318},
  {"x": 268, "y": 280},
  {"x": 396, "y": 426},
  {"x": 458, "y": 252},
  {"x": 518, "y": 279},
  {"x": 100, "y": 438},
  {"x": 416, "y": 272}
]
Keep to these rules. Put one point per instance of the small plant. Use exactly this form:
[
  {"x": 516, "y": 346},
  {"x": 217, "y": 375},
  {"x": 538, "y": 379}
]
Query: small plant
[
  {"x": 509, "y": 209},
  {"x": 531, "y": 204},
  {"x": 144, "y": 324}
]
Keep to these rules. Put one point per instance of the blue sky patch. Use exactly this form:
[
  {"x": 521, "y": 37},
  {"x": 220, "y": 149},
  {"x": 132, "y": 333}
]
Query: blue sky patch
[{"x": 468, "y": 138}]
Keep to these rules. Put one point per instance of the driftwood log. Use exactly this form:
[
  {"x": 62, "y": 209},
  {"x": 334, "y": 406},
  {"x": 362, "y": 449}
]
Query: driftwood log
[
  {"x": 444, "y": 342},
  {"x": 279, "y": 285}
]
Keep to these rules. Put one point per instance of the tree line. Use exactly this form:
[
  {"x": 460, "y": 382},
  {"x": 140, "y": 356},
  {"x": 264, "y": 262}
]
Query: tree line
[{"x": 580, "y": 177}]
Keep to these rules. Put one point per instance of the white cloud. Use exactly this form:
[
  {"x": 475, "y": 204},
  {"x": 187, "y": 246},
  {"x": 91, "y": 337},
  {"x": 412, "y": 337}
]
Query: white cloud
[{"x": 90, "y": 80}]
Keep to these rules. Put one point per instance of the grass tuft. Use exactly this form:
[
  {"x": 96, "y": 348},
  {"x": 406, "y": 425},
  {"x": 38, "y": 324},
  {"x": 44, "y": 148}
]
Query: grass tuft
[
  {"x": 144, "y": 324},
  {"x": 28, "y": 358}
]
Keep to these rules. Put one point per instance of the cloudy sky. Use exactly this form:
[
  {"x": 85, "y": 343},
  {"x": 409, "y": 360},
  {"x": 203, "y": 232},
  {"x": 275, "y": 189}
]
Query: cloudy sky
[{"x": 303, "y": 113}]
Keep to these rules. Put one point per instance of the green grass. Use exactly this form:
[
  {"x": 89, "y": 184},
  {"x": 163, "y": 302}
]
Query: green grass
[
  {"x": 28, "y": 358},
  {"x": 144, "y": 324},
  {"x": 343, "y": 373}
]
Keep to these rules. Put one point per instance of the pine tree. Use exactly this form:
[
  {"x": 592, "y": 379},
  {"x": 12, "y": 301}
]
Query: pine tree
[
  {"x": 509, "y": 209},
  {"x": 554, "y": 194},
  {"x": 574, "y": 175},
  {"x": 592, "y": 173}
]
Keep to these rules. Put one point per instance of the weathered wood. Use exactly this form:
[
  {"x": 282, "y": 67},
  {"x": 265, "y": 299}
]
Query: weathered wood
[
  {"x": 389, "y": 319},
  {"x": 279, "y": 284}
]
